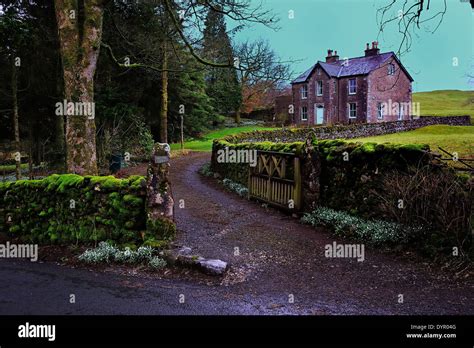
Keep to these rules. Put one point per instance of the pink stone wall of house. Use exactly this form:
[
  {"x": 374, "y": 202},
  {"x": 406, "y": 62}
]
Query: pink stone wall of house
[
  {"x": 360, "y": 99},
  {"x": 385, "y": 88},
  {"x": 315, "y": 100}
]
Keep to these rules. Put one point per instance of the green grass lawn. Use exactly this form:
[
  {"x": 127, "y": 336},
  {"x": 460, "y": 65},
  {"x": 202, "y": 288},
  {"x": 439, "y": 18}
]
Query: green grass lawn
[
  {"x": 205, "y": 143},
  {"x": 446, "y": 103},
  {"x": 458, "y": 139}
]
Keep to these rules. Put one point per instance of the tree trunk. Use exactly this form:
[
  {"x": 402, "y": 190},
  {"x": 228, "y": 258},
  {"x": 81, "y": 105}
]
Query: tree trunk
[
  {"x": 182, "y": 132},
  {"x": 243, "y": 81},
  {"x": 164, "y": 97},
  {"x": 16, "y": 121},
  {"x": 60, "y": 144},
  {"x": 30, "y": 153},
  {"x": 80, "y": 31},
  {"x": 237, "y": 115}
]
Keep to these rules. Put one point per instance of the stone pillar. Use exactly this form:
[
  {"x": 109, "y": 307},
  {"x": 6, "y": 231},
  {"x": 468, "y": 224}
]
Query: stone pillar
[
  {"x": 159, "y": 200},
  {"x": 310, "y": 173}
]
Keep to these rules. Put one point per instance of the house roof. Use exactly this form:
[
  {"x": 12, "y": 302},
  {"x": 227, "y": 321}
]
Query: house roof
[{"x": 355, "y": 66}]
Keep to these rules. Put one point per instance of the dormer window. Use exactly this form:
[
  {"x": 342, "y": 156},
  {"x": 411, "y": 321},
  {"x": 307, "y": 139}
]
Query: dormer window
[
  {"x": 304, "y": 92},
  {"x": 391, "y": 69}
]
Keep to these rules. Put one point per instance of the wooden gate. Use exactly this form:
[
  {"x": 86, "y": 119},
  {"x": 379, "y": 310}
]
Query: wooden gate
[{"x": 276, "y": 180}]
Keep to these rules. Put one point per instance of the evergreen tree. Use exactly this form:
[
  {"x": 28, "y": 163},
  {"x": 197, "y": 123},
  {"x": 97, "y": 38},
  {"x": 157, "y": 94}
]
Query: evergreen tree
[
  {"x": 28, "y": 34},
  {"x": 189, "y": 90},
  {"x": 145, "y": 29},
  {"x": 222, "y": 84}
]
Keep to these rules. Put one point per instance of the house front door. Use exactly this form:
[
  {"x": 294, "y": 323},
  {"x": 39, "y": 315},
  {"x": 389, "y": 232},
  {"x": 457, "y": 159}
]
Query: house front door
[{"x": 319, "y": 113}]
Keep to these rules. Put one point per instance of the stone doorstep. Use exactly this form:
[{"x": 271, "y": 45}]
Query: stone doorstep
[{"x": 183, "y": 257}]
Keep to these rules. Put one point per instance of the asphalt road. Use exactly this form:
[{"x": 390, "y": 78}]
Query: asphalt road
[{"x": 46, "y": 288}]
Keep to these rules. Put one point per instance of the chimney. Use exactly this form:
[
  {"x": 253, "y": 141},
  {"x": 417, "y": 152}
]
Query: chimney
[
  {"x": 372, "y": 51},
  {"x": 332, "y": 58}
]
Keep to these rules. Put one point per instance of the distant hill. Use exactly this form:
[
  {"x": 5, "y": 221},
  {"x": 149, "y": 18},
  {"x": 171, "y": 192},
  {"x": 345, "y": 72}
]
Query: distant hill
[{"x": 446, "y": 103}]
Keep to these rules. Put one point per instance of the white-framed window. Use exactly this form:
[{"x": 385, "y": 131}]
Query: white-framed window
[
  {"x": 304, "y": 92},
  {"x": 352, "y": 86},
  {"x": 400, "y": 112},
  {"x": 391, "y": 69},
  {"x": 304, "y": 113},
  {"x": 319, "y": 71},
  {"x": 380, "y": 110},
  {"x": 352, "y": 110},
  {"x": 319, "y": 88}
]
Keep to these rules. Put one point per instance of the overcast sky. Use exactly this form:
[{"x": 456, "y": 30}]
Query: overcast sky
[{"x": 346, "y": 26}]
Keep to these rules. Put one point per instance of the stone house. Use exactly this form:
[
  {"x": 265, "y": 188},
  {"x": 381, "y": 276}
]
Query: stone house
[{"x": 373, "y": 88}]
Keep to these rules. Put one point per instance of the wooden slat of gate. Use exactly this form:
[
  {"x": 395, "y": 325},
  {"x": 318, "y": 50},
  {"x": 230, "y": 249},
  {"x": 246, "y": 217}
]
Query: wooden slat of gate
[
  {"x": 283, "y": 193},
  {"x": 273, "y": 191},
  {"x": 280, "y": 198},
  {"x": 278, "y": 192}
]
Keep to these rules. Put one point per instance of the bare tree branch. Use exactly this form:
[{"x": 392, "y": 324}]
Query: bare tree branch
[
  {"x": 140, "y": 65},
  {"x": 409, "y": 17}
]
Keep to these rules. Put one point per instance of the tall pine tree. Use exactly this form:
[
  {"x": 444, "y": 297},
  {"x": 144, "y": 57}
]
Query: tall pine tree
[{"x": 222, "y": 84}]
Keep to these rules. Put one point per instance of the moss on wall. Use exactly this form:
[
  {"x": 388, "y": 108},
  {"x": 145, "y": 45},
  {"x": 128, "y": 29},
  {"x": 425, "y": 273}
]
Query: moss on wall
[
  {"x": 352, "y": 173},
  {"x": 70, "y": 208}
]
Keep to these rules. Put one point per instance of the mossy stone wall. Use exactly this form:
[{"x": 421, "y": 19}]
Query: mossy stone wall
[
  {"x": 74, "y": 209},
  {"x": 358, "y": 130},
  {"x": 348, "y": 174},
  {"x": 352, "y": 173}
]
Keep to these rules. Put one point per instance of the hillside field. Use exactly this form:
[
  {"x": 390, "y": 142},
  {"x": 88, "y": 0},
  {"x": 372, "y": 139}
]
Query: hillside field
[
  {"x": 458, "y": 139},
  {"x": 446, "y": 103}
]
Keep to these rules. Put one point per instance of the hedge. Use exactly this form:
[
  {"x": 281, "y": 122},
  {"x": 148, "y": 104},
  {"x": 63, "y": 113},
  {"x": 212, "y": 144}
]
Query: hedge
[{"x": 70, "y": 208}]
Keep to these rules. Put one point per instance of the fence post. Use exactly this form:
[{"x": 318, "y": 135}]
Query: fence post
[{"x": 159, "y": 200}]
